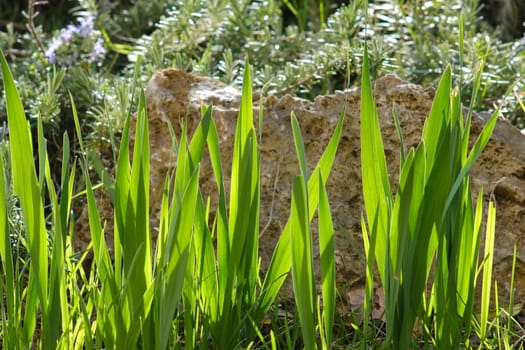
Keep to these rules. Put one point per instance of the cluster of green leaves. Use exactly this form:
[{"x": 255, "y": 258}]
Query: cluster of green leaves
[
  {"x": 139, "y": 293},
  {"x": 136, "y": 295},
  {"x": 195, "y": 275},
  {"x": 44, "y": 297},
  {"x": 431, "y": 222}
]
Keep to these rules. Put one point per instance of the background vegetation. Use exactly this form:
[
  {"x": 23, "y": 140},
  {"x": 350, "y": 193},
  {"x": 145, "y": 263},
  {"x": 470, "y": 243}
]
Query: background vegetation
[{"x": 308, "y": 52}]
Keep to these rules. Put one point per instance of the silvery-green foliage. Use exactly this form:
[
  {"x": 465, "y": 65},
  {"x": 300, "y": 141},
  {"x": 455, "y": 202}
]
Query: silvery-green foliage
[
  {"x": 196, "y": 36},
  {"x": 423, "y": 37},
  {"x": 415, "y": 39}
]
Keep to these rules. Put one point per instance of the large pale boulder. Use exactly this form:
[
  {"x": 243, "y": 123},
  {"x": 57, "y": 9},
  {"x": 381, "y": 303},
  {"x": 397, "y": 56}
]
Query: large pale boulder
[{"x": 176, "y": 97}]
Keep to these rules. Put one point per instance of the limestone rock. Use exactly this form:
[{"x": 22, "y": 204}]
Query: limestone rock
[{"x": 176, "y": 97}]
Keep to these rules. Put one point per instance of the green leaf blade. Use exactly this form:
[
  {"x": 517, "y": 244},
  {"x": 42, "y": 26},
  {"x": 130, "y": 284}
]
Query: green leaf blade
[
  {"x": 327, "y": 253},
  {"x": 280, "y": 263},
  {"x": 26, "y": 187},
  {"x": 302, "y": 265},
  {"x": 376, "y": 187}
]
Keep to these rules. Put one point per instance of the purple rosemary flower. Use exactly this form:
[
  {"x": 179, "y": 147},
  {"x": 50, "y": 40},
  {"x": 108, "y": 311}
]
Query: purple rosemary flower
[
  {"x": 98, "y": 51},
  {"x": 51, "y": 51},
  {"x": 86, "y": 26},
  {"x": 67, "y": 34},
  {"x": 76, "y": 43}
]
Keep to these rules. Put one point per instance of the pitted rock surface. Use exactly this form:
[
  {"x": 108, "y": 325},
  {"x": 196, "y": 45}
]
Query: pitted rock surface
[{"x": 176, "y": 97}]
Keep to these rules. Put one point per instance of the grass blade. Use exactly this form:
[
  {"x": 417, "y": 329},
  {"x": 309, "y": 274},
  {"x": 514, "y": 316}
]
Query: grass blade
[
  {"x": 8, "y": 282},
  {"x": 281, "y": 259},
  {"x": 302, "y": 265},
  {"x": 327, "y": 253},
  {"x": 170, "y": 283},
  {"x": 299, "y": 147},
  {"x": 301, "y": 247},
  {"x": 487, "y": 269},
  {"x": 376, "y": 188},
  {"x": 26, "y": 187}
]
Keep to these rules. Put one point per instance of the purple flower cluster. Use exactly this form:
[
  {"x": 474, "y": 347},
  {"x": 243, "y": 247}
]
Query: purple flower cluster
[{"x": 75, "y": 43}]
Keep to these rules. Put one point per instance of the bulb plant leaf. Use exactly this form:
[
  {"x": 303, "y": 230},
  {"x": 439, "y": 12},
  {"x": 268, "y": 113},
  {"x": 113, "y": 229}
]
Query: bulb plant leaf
[
  {"x": 8, "y": 281},
  {"x": 301, "y": 246},
  {"x": 303, "y": 276},
  {"x": 302, "y": 265},
  {"x": 281, "y": 261},
  {"x": 327, "y": 257},
  {"x": 203, "y": 269},
  {"x": 431, "y": 221},
  {"x": 27, "y": 187}
]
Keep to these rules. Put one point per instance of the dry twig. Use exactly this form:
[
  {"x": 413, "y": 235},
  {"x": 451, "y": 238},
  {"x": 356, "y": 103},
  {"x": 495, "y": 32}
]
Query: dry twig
[{"x": 31, "y": 15}]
